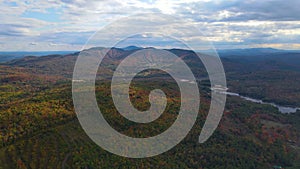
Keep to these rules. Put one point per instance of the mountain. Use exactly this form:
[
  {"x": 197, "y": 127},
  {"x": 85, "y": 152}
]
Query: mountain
[
  {"x": 234, "y": 60},
  {"x": 63, "y": 64},
  {"x": 7, "y": 56},
  {"x": 132, "y": 48},
  {"x": 248, "y": 52}
]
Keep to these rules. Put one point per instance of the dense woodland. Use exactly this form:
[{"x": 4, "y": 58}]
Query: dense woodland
[{"x": 39, "y": 129}]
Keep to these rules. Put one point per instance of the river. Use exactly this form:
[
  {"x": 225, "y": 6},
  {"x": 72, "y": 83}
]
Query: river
[{"x": 282, "y": 109}]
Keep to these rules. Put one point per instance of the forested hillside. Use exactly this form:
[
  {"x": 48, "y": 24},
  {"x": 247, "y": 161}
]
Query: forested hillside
[{"x": 39, "y": 128}]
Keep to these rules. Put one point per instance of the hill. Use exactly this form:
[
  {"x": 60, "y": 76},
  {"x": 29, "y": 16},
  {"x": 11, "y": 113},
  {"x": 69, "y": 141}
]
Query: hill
[{"x": 7, "y": 56}]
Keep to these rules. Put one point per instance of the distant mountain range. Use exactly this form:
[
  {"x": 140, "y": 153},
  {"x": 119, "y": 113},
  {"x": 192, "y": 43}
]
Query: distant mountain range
[
  {"x": 253, "y": 52},
  {"x": 248, "y": 53},
  {"x": 7, "y": 56},
  {"x": 234, "y": 60}
]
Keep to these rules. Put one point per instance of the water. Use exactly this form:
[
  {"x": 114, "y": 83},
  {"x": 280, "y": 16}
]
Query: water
[{"x": 282, "y": 109}]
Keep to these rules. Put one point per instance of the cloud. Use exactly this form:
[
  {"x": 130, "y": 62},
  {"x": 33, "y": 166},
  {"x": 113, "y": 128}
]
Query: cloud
[
  {"x": 33, "y": 43},
  {"x": 72, "y": 22},
  {"x": 236, "y": 10},
  {"x": 15, "y": 30},
  {"x": 65, "y": 37}
]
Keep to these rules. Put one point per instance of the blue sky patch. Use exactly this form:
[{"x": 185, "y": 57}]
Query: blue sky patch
[
  {"x": 11, "y": 4},
  {"x": 51, "y": 15}
]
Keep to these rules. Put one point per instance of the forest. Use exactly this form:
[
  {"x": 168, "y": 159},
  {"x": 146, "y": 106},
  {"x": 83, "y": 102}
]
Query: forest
[{"x": 39, "y": 128}]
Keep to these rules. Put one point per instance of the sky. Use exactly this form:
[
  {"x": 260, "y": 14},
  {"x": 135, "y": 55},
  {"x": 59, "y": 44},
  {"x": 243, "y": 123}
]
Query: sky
[{"x": 38, "y": 25}]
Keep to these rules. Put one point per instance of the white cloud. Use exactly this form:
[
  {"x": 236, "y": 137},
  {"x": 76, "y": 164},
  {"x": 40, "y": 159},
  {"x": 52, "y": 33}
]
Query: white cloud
[{"x": 233, "y": 22}]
